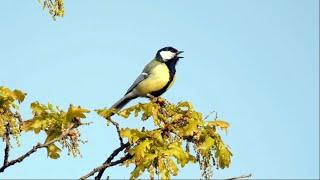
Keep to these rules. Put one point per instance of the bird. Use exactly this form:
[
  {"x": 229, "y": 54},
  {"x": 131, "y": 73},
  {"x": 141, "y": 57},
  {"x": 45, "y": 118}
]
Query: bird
[{"x": 155, "y": 79}]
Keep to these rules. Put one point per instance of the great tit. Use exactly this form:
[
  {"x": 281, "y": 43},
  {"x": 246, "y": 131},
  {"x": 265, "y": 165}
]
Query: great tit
[{"x": 156, "y": 77}]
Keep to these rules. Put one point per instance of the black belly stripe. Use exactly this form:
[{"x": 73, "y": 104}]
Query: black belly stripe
[{"x": 172, "y": 71}]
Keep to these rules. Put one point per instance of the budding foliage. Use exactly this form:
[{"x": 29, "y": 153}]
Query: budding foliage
[
  {"x": 162, "y": 150},
  {"x": 46, "y": 118},
  {"x": 54, "y": 7},
  {"x": 9, "y": 100}
]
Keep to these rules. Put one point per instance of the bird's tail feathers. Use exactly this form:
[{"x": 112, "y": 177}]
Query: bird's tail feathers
[{"x": 123, "y": 101}]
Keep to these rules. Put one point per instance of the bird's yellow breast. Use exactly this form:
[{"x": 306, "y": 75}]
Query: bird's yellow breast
[{"x": 158, "y": 78}]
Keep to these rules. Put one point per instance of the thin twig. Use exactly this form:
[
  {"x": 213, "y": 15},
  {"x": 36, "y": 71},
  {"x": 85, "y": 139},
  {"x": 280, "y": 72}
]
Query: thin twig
[
  {"x": 7, "y": 148},
  {"x": 106, "y": 165},
  {"x": 207, "y": 116},
  {"x": 113, "y": 154},
  {"x": 111, "y": 157},
  {"x": 118, "y": 129},
  {"x": 38, "y": 146},
  {"x": 240, "y": 177}
]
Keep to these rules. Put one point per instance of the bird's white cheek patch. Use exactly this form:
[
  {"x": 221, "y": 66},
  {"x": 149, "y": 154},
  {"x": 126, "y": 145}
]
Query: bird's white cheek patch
[{"x": 167, "y": 55}]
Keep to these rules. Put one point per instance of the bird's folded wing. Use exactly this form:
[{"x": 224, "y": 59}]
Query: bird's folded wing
[{"x": 140, "y": 78}]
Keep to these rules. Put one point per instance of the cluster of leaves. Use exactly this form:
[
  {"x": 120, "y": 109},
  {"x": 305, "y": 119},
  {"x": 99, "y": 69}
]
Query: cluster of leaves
[
  {"x": 160, "y": 150},
  {"x": 54, "y": 122},
  {"x": 47, "y": 118},
  {"x": 8, "y": 106},
  {"x": 54, "y": 7}
]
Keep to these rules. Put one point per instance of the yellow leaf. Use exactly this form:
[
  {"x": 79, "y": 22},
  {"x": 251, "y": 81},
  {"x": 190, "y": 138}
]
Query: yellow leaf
[
  {"x": 148, "y": 159},
  {"x": 73, "y": 112},
  {"x": 206, "y": 146},
  {"x": 106, "y": 113},
  {"x": 191, "y": 128},
  {"x": 34, "y": 124},
  {"x": 140, "y": 149},
  {"x": 172, "y": 167},
  {"x": 37, "y": 108},
  {"x": 19, "y": 95},
  {"x": 124, "y": 113},
  {"x": 133, "y": 135},
  {"x": 185, "y": 104},
  {"x": 76, "y": 112},
  {"x": 136, "y": 172},
  {"x": 8, "y": 97},
  {"x": 164, "y": 173},
  {"x": 177, "y": 151},
  {"x": 53, "y": 151},
  {"x": 177, "y": 117},
  {"x": 224, "y": 156},
  {"x": 151, "y": 172},
  {"x": 52, "y": 134},
  {"x": 157, "y": 136},
  {"x": 218, "y": 123}
]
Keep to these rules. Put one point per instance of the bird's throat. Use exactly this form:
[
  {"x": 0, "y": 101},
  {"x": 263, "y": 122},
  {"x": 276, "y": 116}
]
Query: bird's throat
[{"x": 172, "y": 67}]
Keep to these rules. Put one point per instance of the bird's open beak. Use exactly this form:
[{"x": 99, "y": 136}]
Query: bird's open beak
[{"x": 179, "y": 52}]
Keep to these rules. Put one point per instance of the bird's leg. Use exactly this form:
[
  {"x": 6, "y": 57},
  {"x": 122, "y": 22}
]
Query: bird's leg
[
  {"x": 154, "y": 99},
  {"x": 151, "y": 97}
]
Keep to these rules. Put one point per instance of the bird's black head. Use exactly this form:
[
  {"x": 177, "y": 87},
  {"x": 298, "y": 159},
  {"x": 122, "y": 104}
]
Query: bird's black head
[{"x": 168, "y": 53}]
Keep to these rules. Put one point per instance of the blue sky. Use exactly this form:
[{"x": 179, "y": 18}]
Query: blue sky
[{"x": 254, "y": 62}]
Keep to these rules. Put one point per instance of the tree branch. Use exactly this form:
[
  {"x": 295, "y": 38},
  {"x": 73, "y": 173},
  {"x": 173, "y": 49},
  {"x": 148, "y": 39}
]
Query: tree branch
[
  {"x": 118, "y": 129},
  {"x": 240, "y": 177},
  {"x": 106, "y": 165},
  {"x": 108, "y": 162},
  {"x": 38, "y": 146},
  {"x": 111, "y": 157},
  {"x": 7, "y": 148}
]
